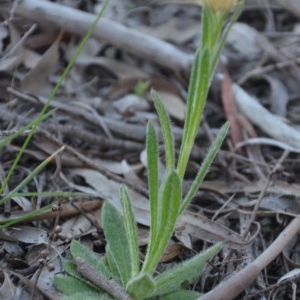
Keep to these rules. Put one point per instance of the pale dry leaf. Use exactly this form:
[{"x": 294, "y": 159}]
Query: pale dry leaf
[
  {"x": 171, "y": 32},
  {"x": 120, "y": 168},
  {"x": 172, "y": 251},
  {"x": 7, "y": 289},
  {"x": 28, "y": 235},
  {"x": 291, "y": 5},
  {"x": 23, "y": 202},
  {"x": 173, "y": 104},
  {"x": 291, "y": 253},
  {"x": 290, "y": 274},
  {"x": 130, "y": 104},
  {"x": 44, "y": 278},
  {"x": 36, "y": 81},
  {"x": 10, "y": 63},
  {"x": 260, "y": 116},
  {"x": 242, "y": 38},
  {"x": 279, "y": 96},
  {"x": 119, "y": 69},
  {"x": 77, "y": 226}
]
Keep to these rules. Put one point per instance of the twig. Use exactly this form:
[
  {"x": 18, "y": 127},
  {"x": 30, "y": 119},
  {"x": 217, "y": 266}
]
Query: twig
[
  {"x": 260, "y": 116},
  {"x": 231, "y": 288},
  {"x": 127, "y": 39},
  {"x": 108, "y": 285},
  {"x": 263, "y": 192}
]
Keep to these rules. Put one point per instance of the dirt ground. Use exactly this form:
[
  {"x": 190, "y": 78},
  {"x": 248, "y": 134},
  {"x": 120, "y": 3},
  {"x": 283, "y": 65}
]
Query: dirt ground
[{"x": 252, "y": 191}]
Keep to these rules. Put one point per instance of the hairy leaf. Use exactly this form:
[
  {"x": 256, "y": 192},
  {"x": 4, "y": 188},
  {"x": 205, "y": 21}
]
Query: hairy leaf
[{"x": 115, "y": 233}]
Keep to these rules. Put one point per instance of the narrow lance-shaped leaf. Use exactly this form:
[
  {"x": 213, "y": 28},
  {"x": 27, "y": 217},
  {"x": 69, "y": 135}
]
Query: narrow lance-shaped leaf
[
  {"x": 187, "y": 271},
  {"x": 165, "y": 123},
  {"x": 115, "y": 233},
  {"x": 153, "y": 181},
  {"x": 205, "y": 166},
  {"x": 110, "y": 261},
  {"x": 70, "y": 285},
  {"x": 224, "y": 34},
  {"x": 79, "y": 250},
  {"x": 169, "y": 203},
  {"x": 182, "y": 295},
  {"x": 196, "y": 101},
  {"x": 131, "y": 230}
]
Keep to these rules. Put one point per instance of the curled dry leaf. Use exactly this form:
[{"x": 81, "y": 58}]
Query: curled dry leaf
[{"x": 279, "y": 96}]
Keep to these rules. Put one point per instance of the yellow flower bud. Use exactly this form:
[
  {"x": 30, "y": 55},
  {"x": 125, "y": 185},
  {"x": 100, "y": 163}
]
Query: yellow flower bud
[{"x": 221, "y": 5}]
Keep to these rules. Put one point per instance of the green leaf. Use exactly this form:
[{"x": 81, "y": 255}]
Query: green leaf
[
  {"x": 141, "y": 286},
  {"x": 165, "y": 123},
  {"x": 182, "y": 295},
  {"x": 168, "y": 209},
  {"x": 197, "y": 94},
  {"x": 153, "y": 180},
  {"x": 70, "y": 285},
  {"x": 131, "y": 230},
  {"x": 172, "y": 279},
  {"x": 31, "y": 175},
  {"x": 71, "y": 269},
  {"x": 80, "y": 251},
  {"x": 52, "y": 95},
  {"x": 112, "y": 264},
  {"x": 205, "y": 166},
  {"x": 223, "y": 37},
  {"x": 115, "y": 233},
  {"x": 87, "y": 296}
]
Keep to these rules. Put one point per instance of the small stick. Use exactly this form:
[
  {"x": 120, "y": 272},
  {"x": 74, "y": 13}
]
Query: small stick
[
  {"x": 108, "y": 285},
  {"x": 236, "y": 284}
]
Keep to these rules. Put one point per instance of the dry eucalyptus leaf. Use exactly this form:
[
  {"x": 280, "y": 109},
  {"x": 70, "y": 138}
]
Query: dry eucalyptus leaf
[
  {"x": 36, "y": 80},
  {"x": 279, "y": 96},
  {"x": 28, "y": 235},
  {"x": 7, "y": 289}
]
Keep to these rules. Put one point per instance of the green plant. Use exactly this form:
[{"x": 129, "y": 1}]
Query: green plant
[{"x": 119, "y": 273}]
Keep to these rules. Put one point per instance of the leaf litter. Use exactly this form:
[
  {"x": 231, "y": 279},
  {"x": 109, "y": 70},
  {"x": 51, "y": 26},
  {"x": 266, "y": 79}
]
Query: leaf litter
[{"x": 101, "y": 115}]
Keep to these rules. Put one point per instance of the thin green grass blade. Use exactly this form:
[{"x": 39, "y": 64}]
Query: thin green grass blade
[
  {"x": 169, "y": 204},
  {"x": 165, "y": 123},
  {"x": 115, "y": 233},
  {"x": 205, "y": 166},
  {"x": 15, "y": 220},
  {"x": 131, "y": 230},
  {"x": 38, "y": 169},
  {"x": 22, "y": 130},
  {"x": 53, "y": 93},
  {"x": 52, "y": 194}
]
